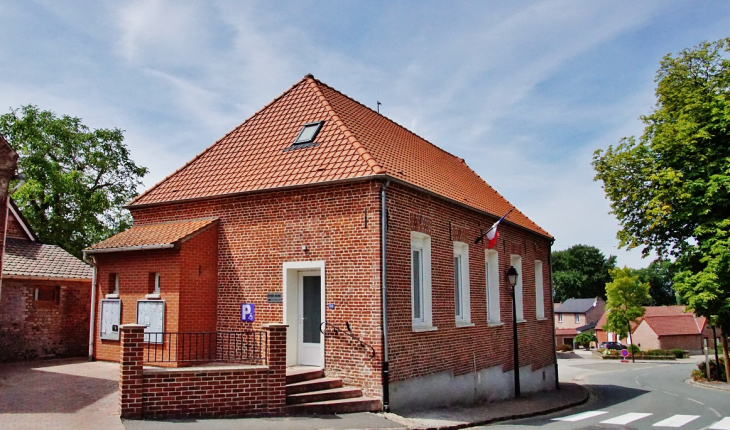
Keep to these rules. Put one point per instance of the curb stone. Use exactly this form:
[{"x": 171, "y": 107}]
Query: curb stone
[
  {"x": 690, "y": 381},
  {"x": 587, "y": 395}
]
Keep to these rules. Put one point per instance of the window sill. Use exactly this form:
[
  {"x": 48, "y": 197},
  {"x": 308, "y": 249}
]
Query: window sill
[
  {"x": 460, "y": 324},
  {"x": 495, "y": 324},
  {"x": 521, "y": 321},
  {"x": 542, "y": 319},
  {"x": 112, "y": 296},
  {"x": 422, "y": 328},
  {"x": 155, "y": 296}
]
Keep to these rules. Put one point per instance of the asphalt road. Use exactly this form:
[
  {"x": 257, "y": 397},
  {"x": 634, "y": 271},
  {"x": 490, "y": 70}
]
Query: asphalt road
[{"x": 635, "y": 396}]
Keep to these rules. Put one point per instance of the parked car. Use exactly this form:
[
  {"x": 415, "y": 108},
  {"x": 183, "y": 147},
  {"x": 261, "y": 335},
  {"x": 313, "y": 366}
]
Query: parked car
[{"x": 612, "y": 345}]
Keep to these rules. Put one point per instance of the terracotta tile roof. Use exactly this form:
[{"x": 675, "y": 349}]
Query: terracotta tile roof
[
  {"x": 24, "y": 259},
  {"x": 675, "y": 325},
  {"x": 159, "y": 235},
  {"x": 664, "y": 311},
  {"x": 354, "y": 142},
  {"x": 565, "y": 331}
]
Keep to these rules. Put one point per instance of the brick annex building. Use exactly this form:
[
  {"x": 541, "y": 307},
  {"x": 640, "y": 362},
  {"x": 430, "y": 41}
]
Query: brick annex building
[
  {"x": 318, "y": 209},
  {"x": 45, "y": 294}
]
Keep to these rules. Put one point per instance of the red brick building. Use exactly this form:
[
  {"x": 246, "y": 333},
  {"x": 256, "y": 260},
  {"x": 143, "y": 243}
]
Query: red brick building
[
  {"x": 318, "y": 209},
  {"x": 665, "y": 327}
]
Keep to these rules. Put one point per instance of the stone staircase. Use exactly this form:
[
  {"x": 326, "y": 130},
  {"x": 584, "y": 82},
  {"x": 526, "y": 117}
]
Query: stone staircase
[{"x": 308, "y": 391}]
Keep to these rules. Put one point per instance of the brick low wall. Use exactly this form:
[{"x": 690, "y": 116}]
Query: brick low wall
[{"x": 213, "y": 391}]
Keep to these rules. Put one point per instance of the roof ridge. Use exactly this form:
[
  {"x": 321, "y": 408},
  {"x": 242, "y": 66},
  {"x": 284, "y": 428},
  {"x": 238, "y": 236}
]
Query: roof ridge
[
  {"x": 386, "y": 118},
  {"x": 184, "y": 166},
  {"x": 359, "y": 147}
]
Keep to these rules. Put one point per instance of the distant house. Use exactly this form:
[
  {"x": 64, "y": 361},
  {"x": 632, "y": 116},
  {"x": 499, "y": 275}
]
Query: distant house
[
  {"x": 664, "y": 327},
  {"x": 575, "y": 316},
  {"x": 45, "y": 292}
]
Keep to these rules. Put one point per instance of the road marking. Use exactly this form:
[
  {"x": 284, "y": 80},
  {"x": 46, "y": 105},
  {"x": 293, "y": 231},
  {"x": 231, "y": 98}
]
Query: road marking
[
  {"x": 676, "y": 421},
  {"x": 626, "y": 418},
  {"x": 671, "y": 394},
  {"x": 696, "y": 401},
  {"x": 723, "y": 424},
  {"x": 581, "y": 416}
]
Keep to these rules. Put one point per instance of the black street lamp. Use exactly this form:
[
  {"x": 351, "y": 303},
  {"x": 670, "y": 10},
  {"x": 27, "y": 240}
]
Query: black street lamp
[{"x": 512, "y": 278}]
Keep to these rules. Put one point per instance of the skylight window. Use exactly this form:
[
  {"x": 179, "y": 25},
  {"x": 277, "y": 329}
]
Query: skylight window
[{"x": 308, "y": 133}]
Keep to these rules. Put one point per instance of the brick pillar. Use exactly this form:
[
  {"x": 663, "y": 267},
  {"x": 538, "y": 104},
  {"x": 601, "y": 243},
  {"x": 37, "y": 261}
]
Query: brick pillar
[
  {"x": 276, "y": 360},
  {"x": 130, "y": 372}
]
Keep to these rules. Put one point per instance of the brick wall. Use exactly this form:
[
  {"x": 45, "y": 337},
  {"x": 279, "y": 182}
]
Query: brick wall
[
  {"x": 259, "y": 232},
  {"x": 31, "y": 329},
  {"x": 461, "y": 349},
  {"x": 230, "y": 391}
]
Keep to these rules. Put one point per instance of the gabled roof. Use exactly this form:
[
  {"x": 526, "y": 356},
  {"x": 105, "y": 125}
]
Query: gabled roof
[
  {"x": 152, "y": 236},
  {"x": 355, "y": 142},
  {"x": 576, "y": 306},
  {"x": 25, "y": 259},
  {"x": 675, "y": 325},
  {"x": 22, "y": 223}
]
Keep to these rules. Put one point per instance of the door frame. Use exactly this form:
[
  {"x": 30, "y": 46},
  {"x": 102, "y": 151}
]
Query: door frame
[{"x": 290, "y": 305}]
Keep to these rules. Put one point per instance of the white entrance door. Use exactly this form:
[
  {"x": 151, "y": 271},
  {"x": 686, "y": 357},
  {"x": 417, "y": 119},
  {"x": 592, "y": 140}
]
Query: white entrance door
[{"x": 311, "y": 340}]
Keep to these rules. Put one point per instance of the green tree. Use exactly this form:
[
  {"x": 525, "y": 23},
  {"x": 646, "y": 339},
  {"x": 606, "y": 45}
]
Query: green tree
[
  {"x": 626, "y": 297},
  {"x": 585, "y": 339},
  {"x": 581, "y": 271},
  {"x": 76, "y": 179},
  {"x": 660, "y": 277},
  {"x": 671, "y": 189}
]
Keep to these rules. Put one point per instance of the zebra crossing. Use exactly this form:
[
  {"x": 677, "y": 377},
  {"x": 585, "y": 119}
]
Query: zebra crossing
[{"x": 675, "y": 421}]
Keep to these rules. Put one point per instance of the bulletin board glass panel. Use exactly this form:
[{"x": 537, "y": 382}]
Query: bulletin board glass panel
[
  {"x": 111, "y": 317},
  {"x": 151, "y": 314}
]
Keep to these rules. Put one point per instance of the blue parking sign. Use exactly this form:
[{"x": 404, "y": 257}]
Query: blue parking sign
[{"x": 248, "y": 312}]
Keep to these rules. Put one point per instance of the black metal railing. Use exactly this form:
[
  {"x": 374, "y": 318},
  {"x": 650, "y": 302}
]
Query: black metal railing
[
  {"x": 327, "y": 326},
  {"x": 244, "y": 347}
]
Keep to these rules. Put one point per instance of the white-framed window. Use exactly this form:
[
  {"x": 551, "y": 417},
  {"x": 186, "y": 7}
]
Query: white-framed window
[
  {"x": 560, "y": 317},
  {"x": 516, "y": 262},
  {"x": 421, "y": 280},
  {"x": 462, "y": 296},
  {"x": 577, "y": 318},
  {"x": 157, "y": 284},
  {"x": 116, "y": 283},
  {"x": 492, "y": 272},
  {"x": 539, "y": 292}
]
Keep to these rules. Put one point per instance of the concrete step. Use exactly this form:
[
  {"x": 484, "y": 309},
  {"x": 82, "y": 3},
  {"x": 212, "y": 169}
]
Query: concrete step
[
  {"x": 323, "y": 395},
  {"x": 301, "y": 374},
  {"x": 341, "y": 406},
  {"x": 318, "y": 384}
]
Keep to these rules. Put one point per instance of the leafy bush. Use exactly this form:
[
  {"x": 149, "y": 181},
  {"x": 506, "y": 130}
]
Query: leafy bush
[
  {"x": 678, "y": 353},
  {"x": 585, "y": 339},
  {"x": 564, "y": 348},
  {"x": 701, "y": 373},
  {"x": 656, "y": 352},
  {"x": 633, "y": 349}
]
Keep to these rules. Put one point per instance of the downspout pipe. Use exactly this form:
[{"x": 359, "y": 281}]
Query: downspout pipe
[
  {"x": 90, "y": 260},
  {"x": 552, "y": 313},
  {"x": 384, "y": 300}
]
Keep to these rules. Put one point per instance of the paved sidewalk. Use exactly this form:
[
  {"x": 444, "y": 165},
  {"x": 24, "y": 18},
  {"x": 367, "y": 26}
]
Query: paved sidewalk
[
  {"x": 59, "y": 394},
  {"x": 542, "y": 403},
  {"x": 715, "y": 385}
]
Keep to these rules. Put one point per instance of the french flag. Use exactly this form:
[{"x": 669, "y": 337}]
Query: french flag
[{"x": 493, "y": 234}]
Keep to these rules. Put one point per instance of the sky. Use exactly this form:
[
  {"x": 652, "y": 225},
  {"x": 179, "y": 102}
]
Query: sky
[{"x": 524, "y": 91}]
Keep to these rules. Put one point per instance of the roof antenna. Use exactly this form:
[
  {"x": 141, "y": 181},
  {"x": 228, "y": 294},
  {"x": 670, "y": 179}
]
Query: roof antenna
[{"x": 379, "y": 106}]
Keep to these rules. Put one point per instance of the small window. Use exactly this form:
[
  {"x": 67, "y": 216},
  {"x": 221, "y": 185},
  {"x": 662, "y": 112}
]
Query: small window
[
  {"x": 539, "y": 292},
  {"x": 421, "y": 281},
  {"x": 154, "y": 283},
  {"x": 577, "y": 318},
  {"x": 516, "y": 261},
  {"x": 308, "y": 133},
  {"x": 461, "y": 283},
  {"x": 560, "y": 317},
  {"x": 113, "y": 287},
  {"x": 492, "y": 262},
  {"x": 48, "y": 295}
]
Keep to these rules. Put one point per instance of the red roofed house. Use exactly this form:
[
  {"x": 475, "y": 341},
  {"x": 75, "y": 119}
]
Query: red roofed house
[
  {"x": 45, "y": 296},
  {"x": 318, "y": 209},
  {"x": 665, "y": 327}
]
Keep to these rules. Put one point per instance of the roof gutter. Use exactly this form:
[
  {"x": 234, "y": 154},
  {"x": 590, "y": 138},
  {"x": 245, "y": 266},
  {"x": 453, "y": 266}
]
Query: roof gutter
[
  {"x": 44, "y": 278},
  {"x": 92, "y": 319},
  {"x": 129, "y": 248}
]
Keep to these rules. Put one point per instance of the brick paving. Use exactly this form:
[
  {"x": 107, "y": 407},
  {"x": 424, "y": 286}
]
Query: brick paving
[{"x": 59, "y": 394}]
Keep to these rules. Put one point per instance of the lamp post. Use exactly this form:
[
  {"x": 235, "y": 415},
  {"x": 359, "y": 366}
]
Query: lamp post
[{"x": 512, "y": 278}]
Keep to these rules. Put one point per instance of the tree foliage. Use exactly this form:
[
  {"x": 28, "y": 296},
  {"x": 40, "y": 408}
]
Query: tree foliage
[
  {"x": 671, "y": 188},
  {"x": 581, "y": 271},
  {"x": 77, "y": 179},
  {"x": 659, "y": 275},
  {"x": 626, "y": 297},
  {"x": 585, "y": 338}
]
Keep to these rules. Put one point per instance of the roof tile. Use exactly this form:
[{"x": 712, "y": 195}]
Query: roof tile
[
  {"x": 32, "y": 259},
  {"x": 166, "y": 233}
]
